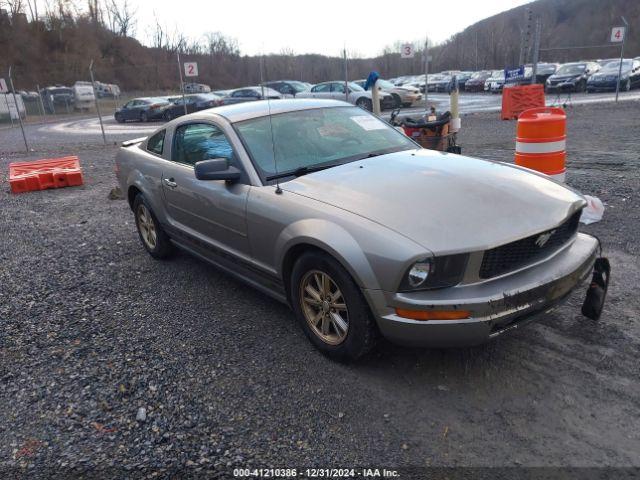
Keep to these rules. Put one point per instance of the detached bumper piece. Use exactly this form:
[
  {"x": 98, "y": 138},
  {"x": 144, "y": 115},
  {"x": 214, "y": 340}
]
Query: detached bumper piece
[{"x": 44, "y": 174}]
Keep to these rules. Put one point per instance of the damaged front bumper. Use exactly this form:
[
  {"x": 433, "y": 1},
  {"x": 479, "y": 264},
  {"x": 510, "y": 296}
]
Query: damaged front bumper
[{"x": 496, "y": 305}]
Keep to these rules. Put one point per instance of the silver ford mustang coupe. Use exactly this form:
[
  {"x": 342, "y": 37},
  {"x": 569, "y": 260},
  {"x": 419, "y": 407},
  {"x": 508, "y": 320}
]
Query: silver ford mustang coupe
[{"x": 326, "y": 207}]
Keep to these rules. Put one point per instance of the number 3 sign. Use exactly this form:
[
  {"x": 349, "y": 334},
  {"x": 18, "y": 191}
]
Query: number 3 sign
[
  {"x": 190, "y": 69},
  {"x": 407, "y": 51},
  {"x": 617, "y": 34}
]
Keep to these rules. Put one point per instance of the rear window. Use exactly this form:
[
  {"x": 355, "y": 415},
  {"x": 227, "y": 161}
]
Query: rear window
[{"x": 156, "y": 143}]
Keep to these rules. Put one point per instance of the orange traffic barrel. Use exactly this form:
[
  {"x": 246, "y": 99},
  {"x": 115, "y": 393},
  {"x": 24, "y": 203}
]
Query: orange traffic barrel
[{"x": 541, "y": 141}]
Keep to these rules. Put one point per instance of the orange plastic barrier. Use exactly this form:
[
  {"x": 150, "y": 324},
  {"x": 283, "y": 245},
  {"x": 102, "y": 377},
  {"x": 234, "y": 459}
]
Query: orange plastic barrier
[
  {"x": 541, "y": 141},
  {"x": 516, "y": 100},
  {"x": 43, "y": 174}
]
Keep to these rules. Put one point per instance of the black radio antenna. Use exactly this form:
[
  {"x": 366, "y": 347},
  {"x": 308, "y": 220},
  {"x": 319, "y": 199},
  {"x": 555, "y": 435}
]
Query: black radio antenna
[{"x": 273, "y": 143}]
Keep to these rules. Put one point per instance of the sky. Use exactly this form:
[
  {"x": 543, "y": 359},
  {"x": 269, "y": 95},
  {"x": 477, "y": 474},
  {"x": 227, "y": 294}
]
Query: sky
[{"x": 312, "y": 26}]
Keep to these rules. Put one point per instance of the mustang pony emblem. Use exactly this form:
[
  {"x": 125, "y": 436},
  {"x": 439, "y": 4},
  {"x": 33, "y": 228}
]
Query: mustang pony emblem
[{"x": 544, "y": 238}]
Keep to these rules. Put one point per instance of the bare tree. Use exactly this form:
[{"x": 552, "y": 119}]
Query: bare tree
[{"x": 120, "y": 17}]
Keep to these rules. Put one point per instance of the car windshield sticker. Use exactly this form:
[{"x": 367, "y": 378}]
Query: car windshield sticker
[{"x": 368, "y": 122}]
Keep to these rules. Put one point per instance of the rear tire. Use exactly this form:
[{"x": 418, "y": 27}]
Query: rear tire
[
  {"x": 350, "y": 330},
  {"x": 167, "y": 116},
  {"x": 153, "y": 238},
  {"x": 365, "y": 103},
  {"x": 144, "y": 117}
]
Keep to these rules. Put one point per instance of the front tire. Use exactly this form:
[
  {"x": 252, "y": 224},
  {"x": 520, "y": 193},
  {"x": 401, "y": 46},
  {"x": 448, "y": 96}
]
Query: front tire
[
  {"x": 153, "y": 238},
  {"x": 397, "y": 101},
  {"x": 330, "y": 307}
]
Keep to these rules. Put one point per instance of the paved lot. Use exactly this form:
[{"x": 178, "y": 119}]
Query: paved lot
[{"x": 93, "y": 329}]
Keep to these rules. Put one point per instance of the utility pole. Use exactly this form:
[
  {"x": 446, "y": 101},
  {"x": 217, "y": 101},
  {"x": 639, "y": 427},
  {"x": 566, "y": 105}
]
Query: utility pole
[
  {"x": 536, "y": 50},
  {"x": 525, "y": 37},
  {"x": 626, "y": 32},
  {"x": 426, "y": 76},
  {"x": 15, "y": 101},
  {"x": 95, "y": 99},
  {"x": 184, "y": 100},
  {"x": 346, "y": 76}
]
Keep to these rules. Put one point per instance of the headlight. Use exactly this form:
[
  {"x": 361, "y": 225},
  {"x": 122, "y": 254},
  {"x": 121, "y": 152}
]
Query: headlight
[
  {"x": 548, "y": 81},
  {"x": 419, "y": 273},
  {"x": 437, "y": 272}
]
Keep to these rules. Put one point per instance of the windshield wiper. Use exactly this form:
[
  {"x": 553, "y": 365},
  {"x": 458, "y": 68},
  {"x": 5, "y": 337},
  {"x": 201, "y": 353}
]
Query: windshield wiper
[{"x": 298, "y": 172}]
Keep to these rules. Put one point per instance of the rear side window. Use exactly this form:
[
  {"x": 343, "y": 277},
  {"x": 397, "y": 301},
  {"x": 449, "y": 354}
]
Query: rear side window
[
  {"x": 200, "y": 141},
  {"x": 156, "y": 143}
]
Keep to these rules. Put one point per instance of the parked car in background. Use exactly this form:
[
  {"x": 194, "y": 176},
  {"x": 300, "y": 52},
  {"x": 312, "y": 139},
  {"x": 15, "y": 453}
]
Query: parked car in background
[
  {"x": 476, "y": 82},
  {"x": 440, "y": 82},
  {"x": 142, "y": 109},
  {"x": 222, "y": 93},
  {"x": 357, "y": 95},
  {"x": 545, "y": 70},
  {"x": 603, "y": 61},
  {"x": 462, "y": 78},
  {"x": 495, "y": 82},
  {"x": 571, "y": 77},
  {"x": 29, "y": 96},
  {"x": 196, "y": 88},
  {"x": 251, "y": 94},
  {"x": 288, "y": 88},
  {"x": 83, "y": 96},
  {"x": 194, "y": 103},
  {"x": 403, "y": 96},
  {"x": 365, "y": 232},
  {"x": 607, "y": 78},
  {"x": 107, "y": 90},
  {"x": 57, "y": 99}
]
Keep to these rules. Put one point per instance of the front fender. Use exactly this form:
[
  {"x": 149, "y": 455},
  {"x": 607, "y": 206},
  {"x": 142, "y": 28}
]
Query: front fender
[{"x": 332, "y": 238}]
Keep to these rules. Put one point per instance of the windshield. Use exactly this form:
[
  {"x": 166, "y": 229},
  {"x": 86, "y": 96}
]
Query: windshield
[
  {"x": 613, "y": 67},
  {"x": 385, "y": 84},
  {"x": 299, "y": 86},
  {"x": 355, "y": 87},
  {"x": 312, "y": 138},
  {"x": 480, "y": 75},
  {"x": 577, "y": 69}
]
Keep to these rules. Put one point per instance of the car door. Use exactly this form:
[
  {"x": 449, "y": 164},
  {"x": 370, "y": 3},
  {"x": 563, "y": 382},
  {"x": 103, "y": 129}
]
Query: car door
[
  {"x": 206, "y": 210},
  {"x": 126, "y": 110},
  {"x": 635, "y": 74},
  {"x": 322, "y": 90},
  {"x": 337, "y": 91}
]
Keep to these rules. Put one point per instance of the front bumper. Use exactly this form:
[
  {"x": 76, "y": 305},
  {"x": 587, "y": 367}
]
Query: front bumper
[
  {"x": 606, "y": 86},
  {"x": 497, "y": 306},
  {"x": 562, "y": 87}
]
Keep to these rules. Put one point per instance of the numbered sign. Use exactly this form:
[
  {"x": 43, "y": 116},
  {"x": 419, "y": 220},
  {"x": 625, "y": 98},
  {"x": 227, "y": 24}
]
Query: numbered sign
[
  {"x": 407, "y": 51},
  {"x": 190, "y": 69},
  {"x": 617, "y": 34},
  {"x": 3, "y": 86}
]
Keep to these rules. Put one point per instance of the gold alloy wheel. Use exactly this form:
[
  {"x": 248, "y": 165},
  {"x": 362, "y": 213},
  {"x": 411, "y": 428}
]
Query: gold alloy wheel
[
  {"x": 147, "y": 227},
  {"x": 324, "y": 307}
]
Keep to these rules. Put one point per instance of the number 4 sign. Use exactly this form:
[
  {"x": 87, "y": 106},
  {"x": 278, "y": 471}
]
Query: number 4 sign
[
  {"x": 190, "y": 69},
  {"x": 617, "y": 34}
]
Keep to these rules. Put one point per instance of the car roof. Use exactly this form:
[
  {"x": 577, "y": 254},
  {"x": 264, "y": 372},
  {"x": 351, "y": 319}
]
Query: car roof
[{"x": 261, "y": 108}]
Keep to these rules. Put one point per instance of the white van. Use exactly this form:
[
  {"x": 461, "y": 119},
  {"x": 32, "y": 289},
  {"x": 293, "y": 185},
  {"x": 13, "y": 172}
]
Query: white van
[{"x": 83, "y": 96}]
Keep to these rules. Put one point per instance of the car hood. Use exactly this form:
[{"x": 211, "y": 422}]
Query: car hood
[
  {"x": 446, "y": 203},
  {"x": 565, "y": 77}
]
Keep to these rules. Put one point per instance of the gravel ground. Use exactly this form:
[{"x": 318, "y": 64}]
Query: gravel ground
[{"x": 117, "y": 365}]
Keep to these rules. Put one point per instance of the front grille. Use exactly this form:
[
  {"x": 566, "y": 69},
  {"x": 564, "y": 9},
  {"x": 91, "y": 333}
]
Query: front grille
[{"x": 520, "y": 253}]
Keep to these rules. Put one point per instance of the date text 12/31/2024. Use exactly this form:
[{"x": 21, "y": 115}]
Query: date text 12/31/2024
[{"x": 315, "y": 473}]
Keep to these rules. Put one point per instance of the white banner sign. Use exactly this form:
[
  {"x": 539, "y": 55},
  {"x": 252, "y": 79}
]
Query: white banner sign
[
  {"x": 407, "y": 51},
  {"x": 3, "y": 86},
  {"x": 617, "y": 34},
  {"x": 190, "y": 69}
]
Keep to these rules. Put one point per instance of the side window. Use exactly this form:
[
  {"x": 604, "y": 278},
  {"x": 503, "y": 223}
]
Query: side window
[
  {"x": 337, "y": 87},
  {"x": 156, "y": 143},
  {"x": 201, "y": 141},
  {"x": 324, "y": 87}
]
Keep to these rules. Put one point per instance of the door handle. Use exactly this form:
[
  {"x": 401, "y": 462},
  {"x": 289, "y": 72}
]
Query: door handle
[{"x": 169, "y": 182}]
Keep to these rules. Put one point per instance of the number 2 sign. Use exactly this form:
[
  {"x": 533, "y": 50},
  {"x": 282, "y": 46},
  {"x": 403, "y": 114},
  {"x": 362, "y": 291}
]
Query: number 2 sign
[
  {"x": 617, "y": 34},
  {"x": 190, "y": 69}
]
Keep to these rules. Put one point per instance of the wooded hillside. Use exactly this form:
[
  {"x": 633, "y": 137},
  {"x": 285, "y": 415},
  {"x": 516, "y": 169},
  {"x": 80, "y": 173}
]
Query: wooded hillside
[{"x": 56, "y": 46}]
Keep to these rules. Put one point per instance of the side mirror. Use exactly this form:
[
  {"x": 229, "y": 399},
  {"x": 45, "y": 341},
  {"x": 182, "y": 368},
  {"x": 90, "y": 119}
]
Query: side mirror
[{"x": 216, "y": 169}]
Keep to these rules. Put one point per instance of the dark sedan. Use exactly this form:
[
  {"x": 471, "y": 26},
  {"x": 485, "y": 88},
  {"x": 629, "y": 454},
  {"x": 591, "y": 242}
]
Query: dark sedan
[
  {"x": 607, "y": 79},
  {"x": 251, "y": 94},
  {"x": 142, "y": 109},
  {"x": 194, "y": 103},
  {"x": 288, "y": 88},
  {"x": 476, "y": 82},
  {"x": 571, "y": 77}
]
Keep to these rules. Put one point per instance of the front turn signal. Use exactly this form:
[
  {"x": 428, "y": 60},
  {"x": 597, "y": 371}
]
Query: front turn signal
[{"x": 433, "y": 314}]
